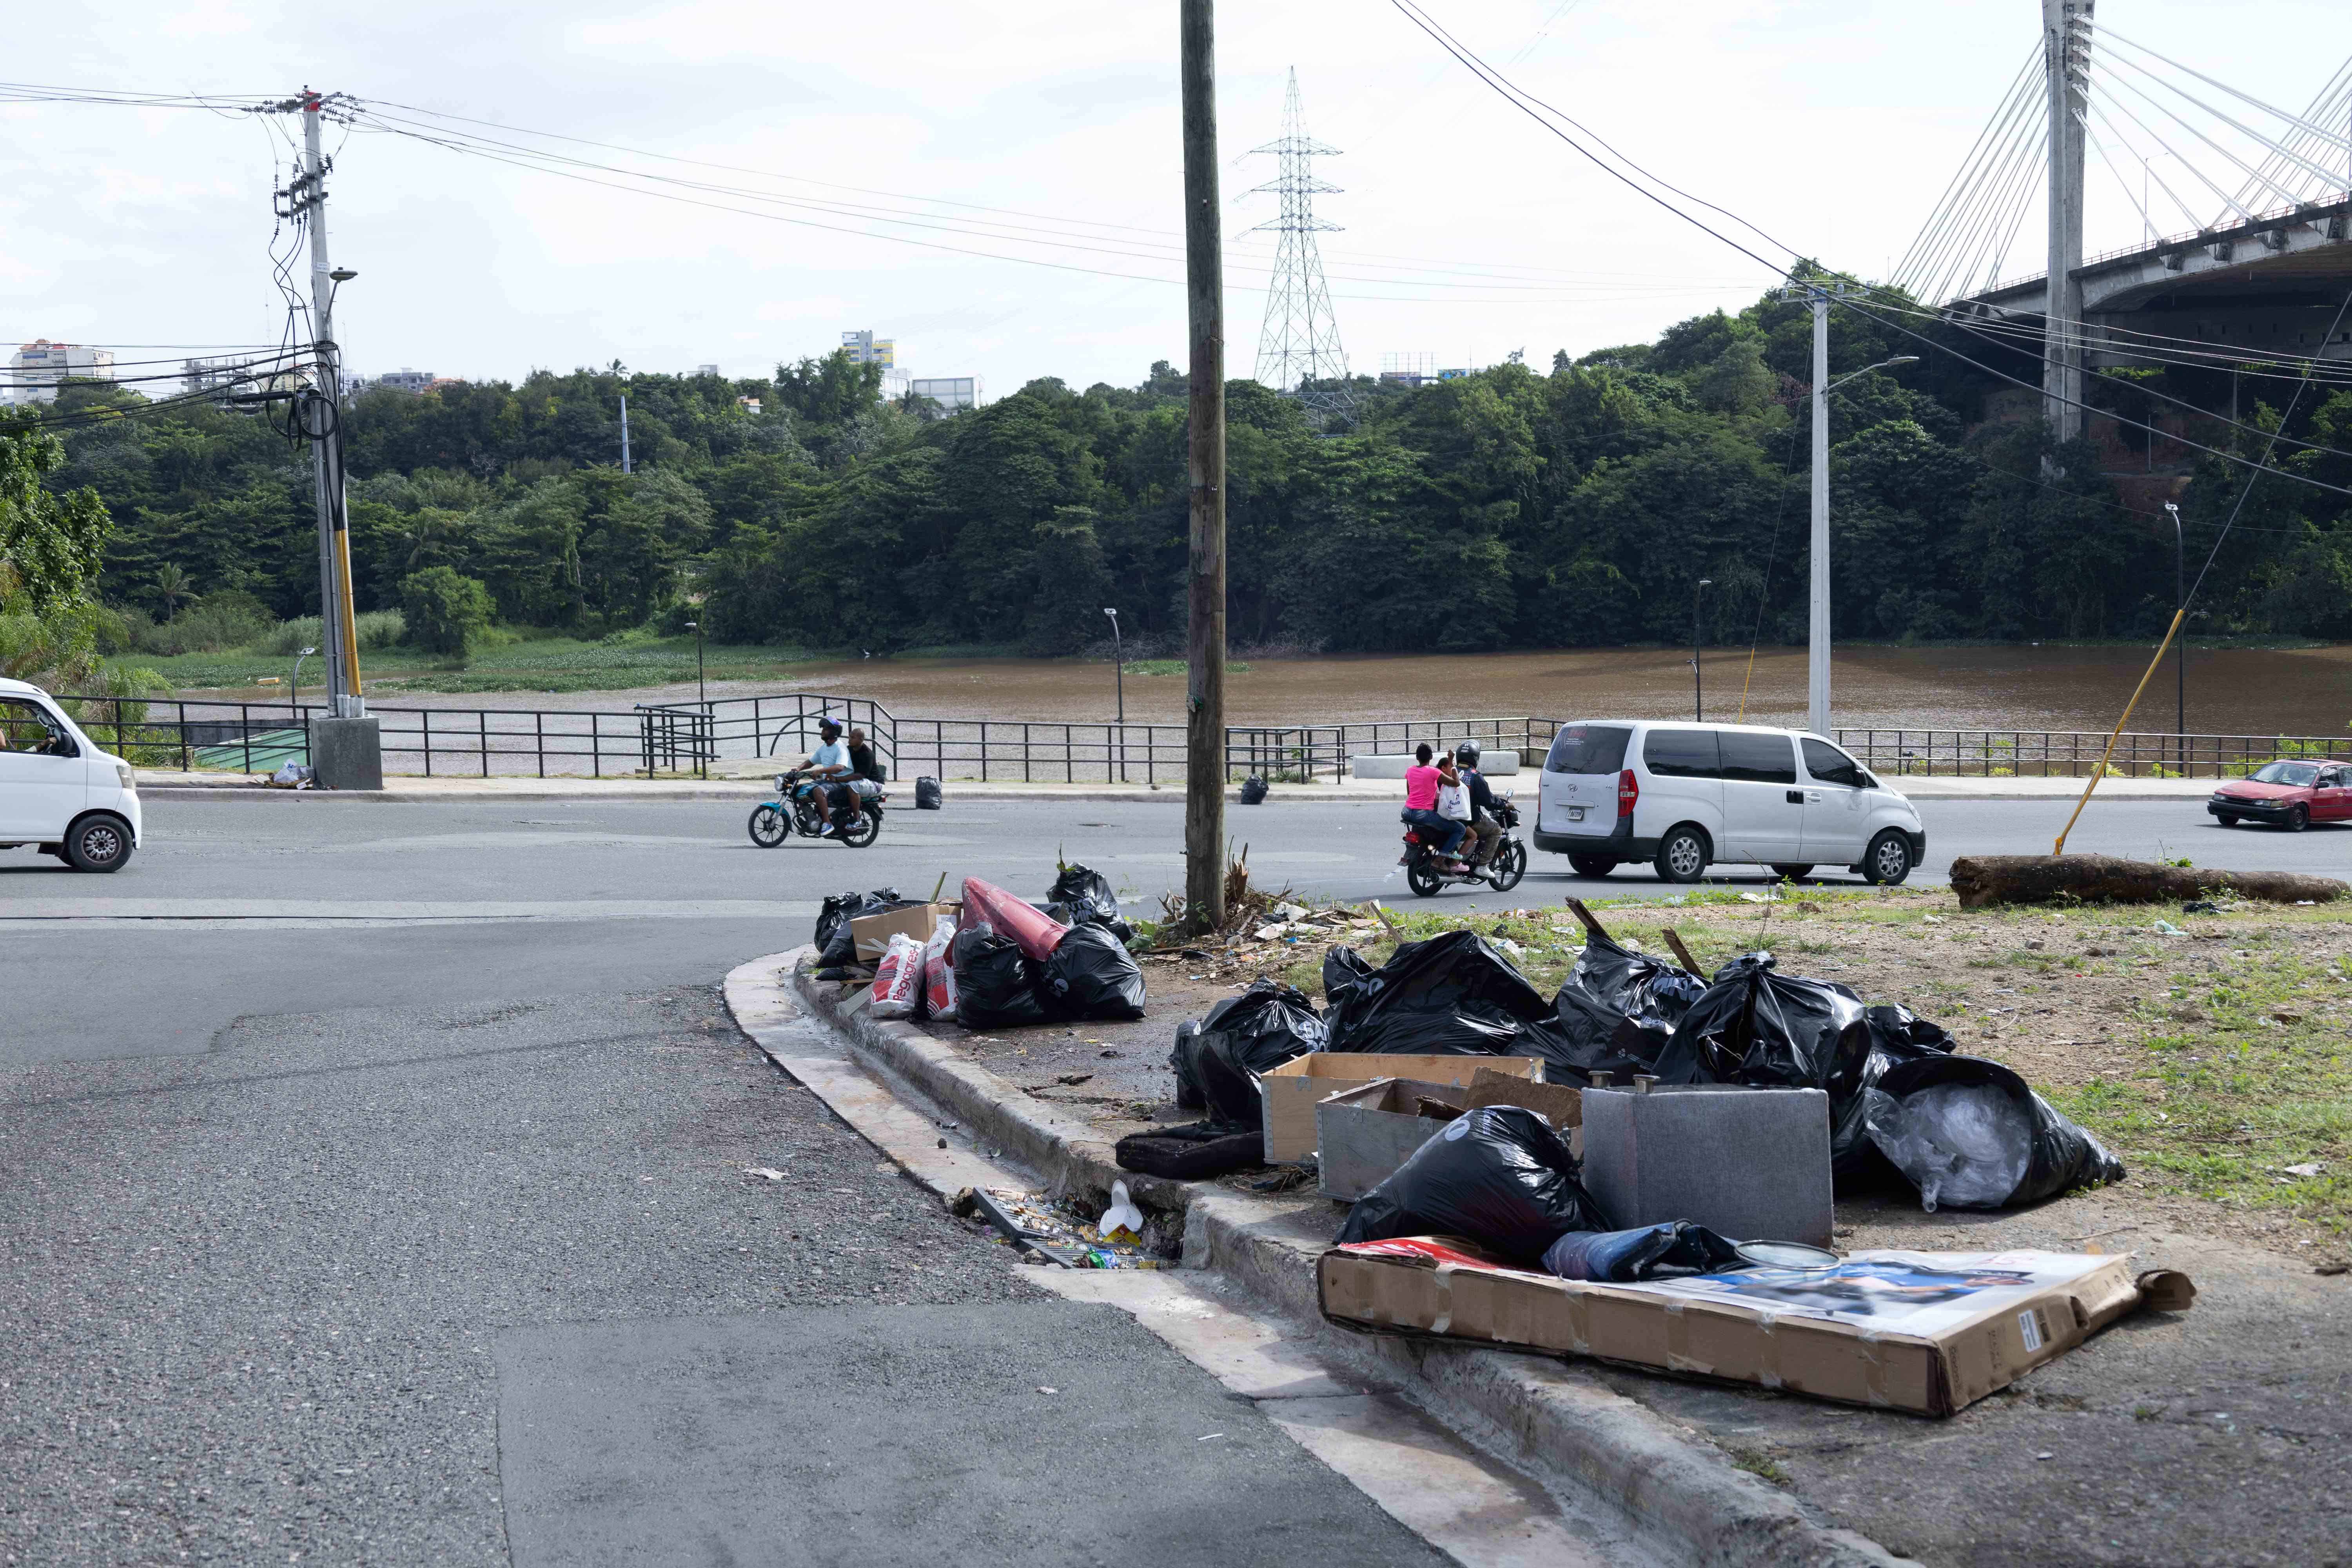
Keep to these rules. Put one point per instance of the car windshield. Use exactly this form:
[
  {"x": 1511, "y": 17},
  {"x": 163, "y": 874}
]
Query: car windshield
[{"x": 2299, "y": 774}]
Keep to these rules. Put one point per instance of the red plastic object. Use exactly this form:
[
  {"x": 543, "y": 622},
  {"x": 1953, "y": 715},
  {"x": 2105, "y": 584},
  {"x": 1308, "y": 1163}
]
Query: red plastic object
[{"x": 1013, "y": 919}]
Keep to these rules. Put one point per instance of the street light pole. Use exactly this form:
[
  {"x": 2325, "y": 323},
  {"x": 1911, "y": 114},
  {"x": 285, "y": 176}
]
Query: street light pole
[
  {"x": 1698, "y": 692},
  {"x": 2180, "y": 648},
  {"x": 696, "y": 628},
  {"x": 1117, "y": 662}
]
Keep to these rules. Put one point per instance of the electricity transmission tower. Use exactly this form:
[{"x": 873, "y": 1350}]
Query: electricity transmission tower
[{"x": 1298, "y": 350}]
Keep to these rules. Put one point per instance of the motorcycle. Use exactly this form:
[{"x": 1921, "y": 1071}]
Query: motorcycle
[
  {"x": 795, "y": 809},
  {"x": 1427, "y": 871}
]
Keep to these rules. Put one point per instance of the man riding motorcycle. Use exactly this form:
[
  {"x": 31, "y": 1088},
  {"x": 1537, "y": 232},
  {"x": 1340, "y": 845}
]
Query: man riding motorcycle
[
  {"x": 1481, "y": 799},
  {"x": 830, "y": 765}
]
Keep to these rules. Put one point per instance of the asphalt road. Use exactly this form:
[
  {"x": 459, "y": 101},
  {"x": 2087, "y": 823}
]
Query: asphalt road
[{"x": 426, "y": 1237}]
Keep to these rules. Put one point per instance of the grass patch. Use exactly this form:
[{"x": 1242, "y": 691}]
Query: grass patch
[{"x": 1175, "y": 667}]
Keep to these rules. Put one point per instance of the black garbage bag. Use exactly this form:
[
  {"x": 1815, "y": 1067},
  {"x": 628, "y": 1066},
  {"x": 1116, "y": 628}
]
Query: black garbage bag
[
  {"x": 997, "y": 984},
  {"x": 1767, "y": 1030},
  {"x": 1092, "y": 976},
  {"x": 834, "y": 944},
  {"x": 1213, "y": 1074},
  {"x": 1081, "y": 897},
  {"x": 1191, "y": 1154},
  {"x": 1253, "y": 791},
  {"x": 926, "y": 794},
  {"x": 1450, "y": 995},
  {"x": 1263, "y": 1027},
  {"x": 1618, "y": 1008},
  {"x": 1648, "y": 1252},
  {"x": 1499, "y": 1176},
  {"x": 1971, "y": 1134}
]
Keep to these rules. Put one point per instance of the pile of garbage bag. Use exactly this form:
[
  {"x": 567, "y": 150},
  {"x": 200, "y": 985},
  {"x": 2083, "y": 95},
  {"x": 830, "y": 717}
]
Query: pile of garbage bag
[
  {"x": 835, "y": 948},
  {"x": 1618, "y": 1008},
  {"x": 1450, "y": 995},
  {"x": 1218, "y": 1059},
  {"x": 1082, "y": 897},
  {"x": 1499, "y": 1176},
  {"x": 1016, "y": 966},
  {"x": 1971, "y": 1134}
]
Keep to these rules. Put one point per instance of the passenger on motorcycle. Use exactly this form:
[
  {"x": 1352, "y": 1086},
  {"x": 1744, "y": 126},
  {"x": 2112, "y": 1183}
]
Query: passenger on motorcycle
[
  {"x": 831, "y": 761},
  {"x": 1421, "y": 785},
  {"x": 1481, "y": 800}
]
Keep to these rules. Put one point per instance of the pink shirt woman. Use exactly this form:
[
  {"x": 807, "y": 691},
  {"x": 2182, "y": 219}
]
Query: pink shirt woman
[{"x": 1420, "y": 788}]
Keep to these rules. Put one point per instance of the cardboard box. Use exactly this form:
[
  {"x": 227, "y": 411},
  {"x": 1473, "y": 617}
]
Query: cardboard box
[
  {"x": 1291, "y": 1090},
  {"x": 1926, "y": 1331},
  {"x": 1561, "y": 1104},
  {"x": 1364, "y": 1133},
  {"x": 873, "y": 932},
  {"x": 1749, "y": 1164}
]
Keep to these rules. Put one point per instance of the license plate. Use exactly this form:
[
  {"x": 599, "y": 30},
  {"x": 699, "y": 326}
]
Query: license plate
[{"x": 1576, "y": 813}]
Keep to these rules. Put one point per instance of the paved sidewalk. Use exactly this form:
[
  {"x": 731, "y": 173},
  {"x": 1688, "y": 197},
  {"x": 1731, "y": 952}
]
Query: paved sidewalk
[{"x": 169, "y": 784}]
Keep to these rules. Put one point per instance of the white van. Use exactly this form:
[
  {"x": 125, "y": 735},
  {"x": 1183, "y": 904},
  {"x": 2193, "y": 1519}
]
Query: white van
[
  {"x": 58, "y": 791},
  {"x": 1683, "y": 797}
]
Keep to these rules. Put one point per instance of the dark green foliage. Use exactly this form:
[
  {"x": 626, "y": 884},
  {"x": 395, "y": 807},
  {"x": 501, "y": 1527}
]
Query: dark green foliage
[
  {"x": 1506, "y": 509},
  {"x": 444, "y": 611}
]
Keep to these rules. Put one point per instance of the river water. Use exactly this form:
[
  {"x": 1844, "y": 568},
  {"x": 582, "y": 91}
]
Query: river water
[{"x": 2253, "y": 691}]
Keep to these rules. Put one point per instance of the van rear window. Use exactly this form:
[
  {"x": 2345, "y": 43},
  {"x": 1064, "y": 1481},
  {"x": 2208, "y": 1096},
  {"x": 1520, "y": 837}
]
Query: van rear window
[
  {"x": 1682, "y": 754},
  {"x": 1588, "y": 749}
]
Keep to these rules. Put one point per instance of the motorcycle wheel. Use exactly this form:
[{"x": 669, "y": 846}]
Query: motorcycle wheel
[
  {"x": 1423, "y": 876},
  {"x": 1510, "y": 865},
  {"x": 769, "y": 827},
  {"x": 862, "y": 829}
]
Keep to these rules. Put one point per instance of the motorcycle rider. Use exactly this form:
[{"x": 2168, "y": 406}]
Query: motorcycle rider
[
  {"x": 1421, "y": 785},
  {"x": 831, "y": 766},
  {"x": 1481, "y": 799}
]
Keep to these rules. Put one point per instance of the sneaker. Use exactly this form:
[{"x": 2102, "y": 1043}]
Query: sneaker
[{"x": 827, "y": 831}]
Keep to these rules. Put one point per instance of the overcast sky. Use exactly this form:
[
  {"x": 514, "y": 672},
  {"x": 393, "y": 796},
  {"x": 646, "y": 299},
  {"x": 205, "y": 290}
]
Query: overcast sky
[{"x": 1468, "y": 233}]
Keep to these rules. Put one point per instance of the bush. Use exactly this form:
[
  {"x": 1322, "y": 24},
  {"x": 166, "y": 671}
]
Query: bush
[
  {"x": 224, "y": 620},
  {"x": 444, "y": 612},
  {"x": 377, "y": 629}
]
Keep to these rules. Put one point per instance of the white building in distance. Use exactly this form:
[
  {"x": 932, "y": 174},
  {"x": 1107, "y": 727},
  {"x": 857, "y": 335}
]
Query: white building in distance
[{"x": 37, "y": 369}]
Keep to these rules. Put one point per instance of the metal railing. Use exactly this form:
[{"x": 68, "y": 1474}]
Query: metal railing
[{"x": 2075, "y": 753}]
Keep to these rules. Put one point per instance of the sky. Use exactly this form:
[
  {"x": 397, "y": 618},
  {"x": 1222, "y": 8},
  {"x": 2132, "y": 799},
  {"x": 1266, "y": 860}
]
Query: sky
[{"x": 1044, "y": 133}]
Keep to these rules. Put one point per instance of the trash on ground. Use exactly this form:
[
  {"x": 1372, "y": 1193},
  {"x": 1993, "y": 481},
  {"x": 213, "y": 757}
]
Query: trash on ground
[
  {"x": 2200, "y": 907},
  {"x": 926, "y": 794},
  {"x": 1930, "y": 1332},
  {"x": 1090, "y": 975},
  {"x": 293, "y": 775},
  {"x": 898, "y": 979},
  {"x": 1499, "y": 1176},
  {"x": 1450, "y": 995},
  {"x": 765, "y": 1172},
  {"x": 1035, "y": 932},
  {"x": 939, "y": 970},
  {"x": 870, "y": 933},
  {"x": 1052, "y": 1232},
  {"x": 1122, "y": 1221},
  {"x": 1190, "y": 1154},
  {"x": 834, "y": 944},
  {"x": 997, "y": 985},
  {"x": 1290, "y": 1093},
  {"x": 1742, "y": 1161},
  {"x": 1648, "y": 1252},
  {"x": 1969, "y": 1134},
  {"x": 1265, "y": 1027},
  {"x": 1084, "y": 896},
  {"x": 2166, "y": 928},
  {"x": 1617, "y": 1008},
  {"x": 1363, "y": 1134}
]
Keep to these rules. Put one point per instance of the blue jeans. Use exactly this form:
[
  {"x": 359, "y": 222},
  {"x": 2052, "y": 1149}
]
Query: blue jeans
[{"x": 1446, "y": 826}]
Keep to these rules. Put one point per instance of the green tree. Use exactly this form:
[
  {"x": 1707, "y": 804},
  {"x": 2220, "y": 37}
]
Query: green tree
[{"x": 444, "y": 612}]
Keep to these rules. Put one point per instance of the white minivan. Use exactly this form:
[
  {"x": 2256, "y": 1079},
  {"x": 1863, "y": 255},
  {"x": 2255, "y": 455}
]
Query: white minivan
[
  {"x": 1685, "y": 795},
  {"x": 58, "y": 790}
]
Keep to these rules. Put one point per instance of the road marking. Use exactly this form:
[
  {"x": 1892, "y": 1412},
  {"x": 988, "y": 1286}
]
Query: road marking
[{"x": 245, "y": 912}]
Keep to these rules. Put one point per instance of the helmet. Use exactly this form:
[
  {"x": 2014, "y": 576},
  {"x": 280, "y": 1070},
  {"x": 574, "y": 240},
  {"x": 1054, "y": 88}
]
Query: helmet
[
  {"x": 1466, "y": 753},
  {"x": 828, "y": 727}
]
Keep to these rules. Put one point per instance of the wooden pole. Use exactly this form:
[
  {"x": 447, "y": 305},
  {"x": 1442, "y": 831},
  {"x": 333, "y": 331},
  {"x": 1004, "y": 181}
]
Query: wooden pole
[{"x": 1204, "y": 695}]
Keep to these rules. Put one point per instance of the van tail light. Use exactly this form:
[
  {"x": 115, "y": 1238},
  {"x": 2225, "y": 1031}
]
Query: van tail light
[{"x": 1629, "y": 790}]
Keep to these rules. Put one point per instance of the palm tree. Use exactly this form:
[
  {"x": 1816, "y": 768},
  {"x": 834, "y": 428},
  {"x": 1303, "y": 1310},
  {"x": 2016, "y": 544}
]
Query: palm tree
[{"x": 172, "y": 584}]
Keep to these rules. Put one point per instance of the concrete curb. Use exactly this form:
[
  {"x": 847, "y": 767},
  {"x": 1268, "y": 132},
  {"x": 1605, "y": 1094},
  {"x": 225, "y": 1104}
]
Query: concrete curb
[{"x": 1553, "y": 1418}]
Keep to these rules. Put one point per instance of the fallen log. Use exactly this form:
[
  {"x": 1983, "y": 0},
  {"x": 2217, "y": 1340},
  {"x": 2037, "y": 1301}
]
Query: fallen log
[{"x": 1982, "y": 879}]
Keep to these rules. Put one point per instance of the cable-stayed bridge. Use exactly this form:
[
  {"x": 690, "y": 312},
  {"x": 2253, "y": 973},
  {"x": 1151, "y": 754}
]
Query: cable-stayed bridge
[{"x": 2243, "y": 212}]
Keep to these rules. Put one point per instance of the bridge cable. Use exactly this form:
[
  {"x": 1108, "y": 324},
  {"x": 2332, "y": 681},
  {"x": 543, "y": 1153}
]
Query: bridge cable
[{"x": 2247, "y": 131}]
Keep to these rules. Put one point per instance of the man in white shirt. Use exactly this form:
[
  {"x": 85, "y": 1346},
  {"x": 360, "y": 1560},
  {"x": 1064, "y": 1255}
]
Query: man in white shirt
[{"x": 831, "y": 761}]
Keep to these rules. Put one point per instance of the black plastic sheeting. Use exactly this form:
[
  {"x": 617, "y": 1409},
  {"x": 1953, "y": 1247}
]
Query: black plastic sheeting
[
  {"x": 1192, "y": 1153},
  {"x": 1648, "y": 1252},
  {"x": 1618, "y": 1008},
  {"x": 1084, "y": 896},
  {"x": 1767, "y": 1030},
  {"x": 1450, "y": 995},
  {"x": 997, "y": 984},
  {"x": 1253, "y": 1033},
  {"x": 833, "y": 943},
  {"x": 1970, "y": 1134},
  {"x": 1092, "y": 976},
  {"x": 1499, "y": 1176}
]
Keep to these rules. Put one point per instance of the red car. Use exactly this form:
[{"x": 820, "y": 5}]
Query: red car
[{"x": 2287, "y": 795}]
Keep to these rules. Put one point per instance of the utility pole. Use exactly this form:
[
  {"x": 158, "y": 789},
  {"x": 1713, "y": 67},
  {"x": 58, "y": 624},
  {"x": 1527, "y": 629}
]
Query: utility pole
[
  {"x": 2066, "y": 52},
  {"x": 346, "y": 749},
  {"x": 624, "y": 431},
  {"x": 1698, "y": 691},
  {"x": 1204, "y": 682}
]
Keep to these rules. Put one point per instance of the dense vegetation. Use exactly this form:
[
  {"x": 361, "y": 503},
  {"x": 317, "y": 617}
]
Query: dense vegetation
[{"x": 1508, "y": 509}]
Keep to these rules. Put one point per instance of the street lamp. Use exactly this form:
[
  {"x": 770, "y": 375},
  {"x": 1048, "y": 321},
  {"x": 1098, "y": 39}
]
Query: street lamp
[
  {"x": 696, "y": 628},
  {"x": 2181, "y": 644},
  {"x": 294, "y": 683},
  {"x": 1117, "y": 662},
  {"x": 1698, "y": 694},
  {"x": 1817, "y": 661}
]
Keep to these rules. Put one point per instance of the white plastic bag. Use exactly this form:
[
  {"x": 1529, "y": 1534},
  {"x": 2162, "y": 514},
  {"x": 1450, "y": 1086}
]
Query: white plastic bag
[
  {"x": 1122, "y": 1221},
  {"x": 897, "y": 978},
  {"x": 1964, "y": 1145},
  {"x": 939, "y": 970}
]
